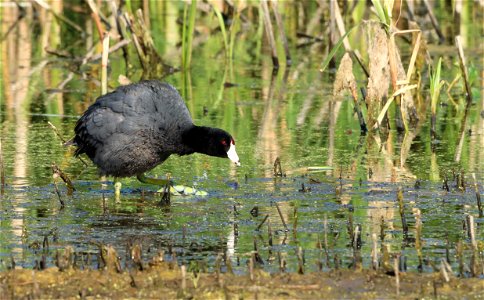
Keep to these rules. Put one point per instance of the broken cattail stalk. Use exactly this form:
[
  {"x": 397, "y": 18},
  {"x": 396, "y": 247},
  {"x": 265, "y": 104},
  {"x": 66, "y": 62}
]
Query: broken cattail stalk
[
  {"x": 62, "y": 203},
  {"x": 57, "y": 172},
  {"x": 282, "y": 217},
  {"x": 262, "y": 223},
  {"x": 270, "y": 33},
  {"x": 418, "y": 236},
  {"x": 294, "y": 226},
  {"x": 478, "y": 195},
  {"x": 277, "y": 168},
  {"x": 402, "y": 211},
  {"x": 374, "y": 252}
]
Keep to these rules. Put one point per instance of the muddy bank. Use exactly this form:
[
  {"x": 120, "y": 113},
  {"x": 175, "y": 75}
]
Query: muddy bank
[{"x": 165, "y": 282}]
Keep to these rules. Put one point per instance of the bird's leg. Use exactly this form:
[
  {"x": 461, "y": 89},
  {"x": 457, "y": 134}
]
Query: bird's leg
[{"x": 157, "y": 181}]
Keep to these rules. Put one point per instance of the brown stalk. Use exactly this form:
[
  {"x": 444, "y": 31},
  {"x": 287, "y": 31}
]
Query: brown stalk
[
  {"x": 282, "y": 33},
  {"x": 270, "y": 33},
  {"x": 262, "y": 223},
  {"x": 57, "y": 172},
  {"x": 97, "y": 19},
  {"x": 2, "y": 170},
  {"x": 282, "y": 217},
  {"x": 47, "y": 7},
  {"x": 463, "y": 68},
  {"x": 434, "y": 21},
  {"x": 478, "y": 195},
  {"x": 104, "y": 64}
]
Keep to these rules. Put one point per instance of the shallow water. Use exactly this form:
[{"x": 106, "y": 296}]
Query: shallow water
[{"x": 291, "y": 115}]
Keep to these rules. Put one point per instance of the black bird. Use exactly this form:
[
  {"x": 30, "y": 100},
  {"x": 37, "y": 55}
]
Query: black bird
[{"x": 138, "y": 126}]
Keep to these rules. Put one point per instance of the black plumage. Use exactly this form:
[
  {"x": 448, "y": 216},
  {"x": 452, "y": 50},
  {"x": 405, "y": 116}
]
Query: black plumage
[{"x": 138, "y": 126}]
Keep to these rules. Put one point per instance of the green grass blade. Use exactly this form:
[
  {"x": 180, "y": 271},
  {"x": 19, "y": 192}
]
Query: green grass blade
[
  {"x": 331, "y": 54},
  {"x": 222, "y": 28}
]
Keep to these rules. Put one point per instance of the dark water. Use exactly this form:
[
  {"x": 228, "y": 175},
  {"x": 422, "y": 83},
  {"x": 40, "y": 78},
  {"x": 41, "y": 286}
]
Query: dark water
[{"x": 291, "y": 115}]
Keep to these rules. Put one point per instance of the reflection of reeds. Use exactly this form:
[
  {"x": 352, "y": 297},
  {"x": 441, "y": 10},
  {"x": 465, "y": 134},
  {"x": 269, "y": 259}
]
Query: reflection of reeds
[
  {"x": 418, "y": 236},
  {"x": 221, "y": 24},
  {"x": 187, "y": 33},
  {"x": 478, "y": 195}
]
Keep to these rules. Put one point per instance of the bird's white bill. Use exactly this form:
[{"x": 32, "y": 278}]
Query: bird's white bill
[{"x": 232, "y": 155}]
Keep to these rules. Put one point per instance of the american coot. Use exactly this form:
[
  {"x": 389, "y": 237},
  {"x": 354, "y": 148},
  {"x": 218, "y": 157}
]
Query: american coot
[{"x": 138, "y": 126}]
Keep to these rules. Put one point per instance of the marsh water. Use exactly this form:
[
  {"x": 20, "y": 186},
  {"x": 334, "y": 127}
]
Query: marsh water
[{"x": 291, "y": 115}]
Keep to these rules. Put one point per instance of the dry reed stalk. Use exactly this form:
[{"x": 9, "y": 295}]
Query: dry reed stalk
[
  {"x": 262, "y": 223},
  {"x": 434, "y": 21},
  {"x": 463, "y": 67},
  {"x": 104, "y": 64},
  {"x": 282, "y": 217},
  {"x": 282, "y": 33},
  {"x": 47, "y": 7},
  {"x": 270, "y": 33}
]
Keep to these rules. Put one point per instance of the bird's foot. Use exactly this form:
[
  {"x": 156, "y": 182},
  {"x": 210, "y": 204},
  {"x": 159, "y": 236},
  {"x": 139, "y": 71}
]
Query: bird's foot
[{"x": 157, "y": 181}]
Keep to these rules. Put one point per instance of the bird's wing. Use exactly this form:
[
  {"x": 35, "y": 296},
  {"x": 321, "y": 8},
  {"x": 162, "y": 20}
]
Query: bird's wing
[{"x": 97, "y": 124}]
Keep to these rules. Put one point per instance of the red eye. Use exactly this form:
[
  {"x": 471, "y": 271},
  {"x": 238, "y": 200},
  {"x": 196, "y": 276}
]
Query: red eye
[
  {"x": 233, "y": 142},
  {"x": 224, "y": 142}
]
